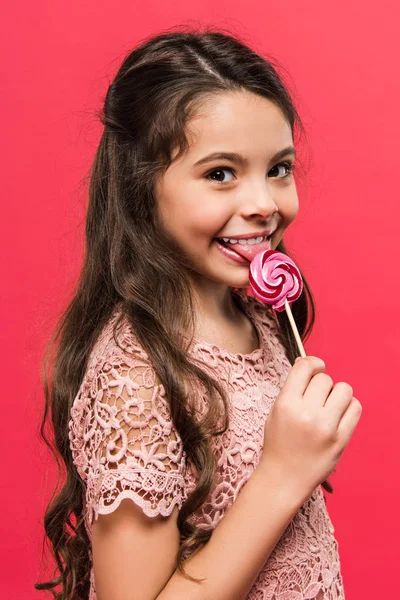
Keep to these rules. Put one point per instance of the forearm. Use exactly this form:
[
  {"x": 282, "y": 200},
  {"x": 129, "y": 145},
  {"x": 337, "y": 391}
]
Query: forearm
[{"x": 242, "y": 541}]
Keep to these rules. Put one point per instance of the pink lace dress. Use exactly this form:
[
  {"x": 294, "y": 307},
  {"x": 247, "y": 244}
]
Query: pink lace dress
[{"x": 124, "y": 445}]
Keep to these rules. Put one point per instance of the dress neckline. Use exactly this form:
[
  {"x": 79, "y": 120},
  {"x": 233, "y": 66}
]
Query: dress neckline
[{"x": 246, "y": 307}]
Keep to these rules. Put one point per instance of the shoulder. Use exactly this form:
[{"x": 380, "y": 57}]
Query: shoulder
[
  {"x": 116, "y": 351},
  {"x": 122, "y": 437},
  {"x": 116, "y": 338},
  {"x": 117, "y": 364}
]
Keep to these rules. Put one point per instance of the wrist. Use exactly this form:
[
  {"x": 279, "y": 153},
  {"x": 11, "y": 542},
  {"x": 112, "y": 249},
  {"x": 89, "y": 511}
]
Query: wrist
[{"x": 292, "y": 491}]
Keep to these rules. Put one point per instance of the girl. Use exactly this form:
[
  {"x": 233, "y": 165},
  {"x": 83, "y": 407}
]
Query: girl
[{"x": 188, "y": 433}]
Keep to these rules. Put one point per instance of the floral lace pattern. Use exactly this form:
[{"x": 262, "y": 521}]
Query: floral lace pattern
[{"x": 124, "y": 445}]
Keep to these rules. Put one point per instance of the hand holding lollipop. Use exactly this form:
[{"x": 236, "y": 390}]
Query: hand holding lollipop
[{"x": 275, "y": 279}]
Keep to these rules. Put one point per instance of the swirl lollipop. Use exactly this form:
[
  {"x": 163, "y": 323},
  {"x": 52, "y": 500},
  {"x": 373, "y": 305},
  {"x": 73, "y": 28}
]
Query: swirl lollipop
[{"x": 275, "y": 279}]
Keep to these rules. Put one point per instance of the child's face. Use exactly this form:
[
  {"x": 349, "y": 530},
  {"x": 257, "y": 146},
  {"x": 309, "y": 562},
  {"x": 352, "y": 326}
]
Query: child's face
[{"x": 195, "y": 209}]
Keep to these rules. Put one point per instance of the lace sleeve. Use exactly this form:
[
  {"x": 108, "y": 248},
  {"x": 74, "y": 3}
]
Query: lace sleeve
[{"x": 123, "y": 441}]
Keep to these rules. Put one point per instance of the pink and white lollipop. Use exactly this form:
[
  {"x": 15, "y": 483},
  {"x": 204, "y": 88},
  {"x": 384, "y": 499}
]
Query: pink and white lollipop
[{"x": 275, "y": 279}]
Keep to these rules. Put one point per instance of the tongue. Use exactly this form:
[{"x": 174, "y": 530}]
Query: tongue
[{"x": 249, "y": 251}]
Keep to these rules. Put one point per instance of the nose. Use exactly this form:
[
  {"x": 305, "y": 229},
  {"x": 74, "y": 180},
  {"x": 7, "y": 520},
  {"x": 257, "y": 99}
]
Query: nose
[{"x": 259, "y": 204}]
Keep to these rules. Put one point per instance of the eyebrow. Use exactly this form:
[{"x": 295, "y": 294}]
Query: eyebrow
[{"x": 239, "y": 159}]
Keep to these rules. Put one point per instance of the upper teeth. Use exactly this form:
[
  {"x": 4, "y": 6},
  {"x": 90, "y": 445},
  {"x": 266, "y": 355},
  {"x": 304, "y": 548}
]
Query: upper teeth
[{"x": 250, "y": 241}]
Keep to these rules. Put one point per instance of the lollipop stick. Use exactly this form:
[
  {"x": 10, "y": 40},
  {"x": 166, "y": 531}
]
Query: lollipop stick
[{"x": 295, "y": 330}]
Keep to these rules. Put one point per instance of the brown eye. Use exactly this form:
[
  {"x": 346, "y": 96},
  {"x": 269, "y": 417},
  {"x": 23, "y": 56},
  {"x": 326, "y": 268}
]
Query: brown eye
[
  {"x": 286, "y": 165},
  {"x": 219, "y": 174}
]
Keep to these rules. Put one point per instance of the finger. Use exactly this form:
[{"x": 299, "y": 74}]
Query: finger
[
  {"x": 338, "y": 402},
  {"x": 300, "y": 375},
  {"x": 349, "y": 421},
  {"x": 318, "y": 390}
]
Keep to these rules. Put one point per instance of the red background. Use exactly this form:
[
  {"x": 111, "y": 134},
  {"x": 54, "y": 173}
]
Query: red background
[{"x": 57, "y": 61}]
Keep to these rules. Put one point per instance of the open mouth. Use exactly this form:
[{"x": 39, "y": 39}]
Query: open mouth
[
  {"x": 246, "y": 251},
  {"x": 231, "y": 253}
]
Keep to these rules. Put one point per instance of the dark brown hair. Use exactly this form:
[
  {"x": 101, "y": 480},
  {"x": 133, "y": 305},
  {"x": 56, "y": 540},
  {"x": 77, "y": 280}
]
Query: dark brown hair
[{"x": 129, "y": 258}]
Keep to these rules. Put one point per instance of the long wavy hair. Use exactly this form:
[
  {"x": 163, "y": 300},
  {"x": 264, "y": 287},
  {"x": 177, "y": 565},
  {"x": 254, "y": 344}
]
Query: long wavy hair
[{"x": 130, "y": 259}]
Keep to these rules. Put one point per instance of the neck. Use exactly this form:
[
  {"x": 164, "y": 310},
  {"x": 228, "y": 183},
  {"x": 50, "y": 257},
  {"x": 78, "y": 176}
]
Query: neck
[{"x": 214, "y": 301}]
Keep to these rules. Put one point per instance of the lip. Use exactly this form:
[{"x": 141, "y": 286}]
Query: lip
[
  {"x": 231, "y": 254},
  {"x": 246, "y": 236}
]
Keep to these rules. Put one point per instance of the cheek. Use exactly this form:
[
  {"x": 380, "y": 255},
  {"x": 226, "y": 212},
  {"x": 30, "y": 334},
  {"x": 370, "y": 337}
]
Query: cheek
[
  {"x": 191, "y": 222},
  {"x": 202, "y": 215},
  {"x": 208, "y": 218},
  {"x": 289, "y": 208},
  {"x": 293, "y": 211}
]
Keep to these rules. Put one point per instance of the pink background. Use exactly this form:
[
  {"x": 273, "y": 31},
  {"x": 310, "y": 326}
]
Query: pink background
[{"x": 57, "y": 61}]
